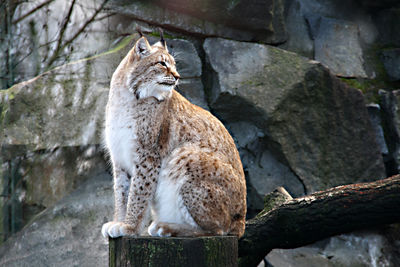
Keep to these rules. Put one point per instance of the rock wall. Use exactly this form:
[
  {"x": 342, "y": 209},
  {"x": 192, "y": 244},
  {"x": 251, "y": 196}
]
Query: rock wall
[
  {"x": 319, "y": 126},
  {"x": 277, "y": 74},
  {"x": 67, "y": 233}
]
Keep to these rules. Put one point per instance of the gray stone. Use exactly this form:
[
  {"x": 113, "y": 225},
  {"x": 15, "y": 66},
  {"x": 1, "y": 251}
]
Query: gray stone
[
  {"x": 254, "y": 20},
  {"x": 51, "y": 175},
  {"x": 374, "y": 111},
  {"x": 300, "y": 257},
  {"x": 268, "y": 173},
  {"x": 312, "y": 122},
  {"x": 390, "y": 101},
  {"x": 368, "y": 31},
  {"x": 37, "y": 180},
  {"x": 387, "y": 21},
  {"x": 379, "y": 4},
  {"x": 245, "y": 133},
  {"x": 264, "y": 171},
  {"x": 358, "y": 249},
  {"x": 347, "y": 10},
  {"x": 62, "y": 107},
  {"x": 68, "y": 234},
  {"x": 391, "y": 61},
  {"x": 278, "y": 22},
  {"x": 188, "y": 62},
  {"x": 193, "y": 90},
  {"x": 348, "y": 42},
  {"x": 299, "y": 36},
  {"x": 254, "y": 201},
  {"x": 337, "y": 46},
  {"x": 247, "y": 140}
]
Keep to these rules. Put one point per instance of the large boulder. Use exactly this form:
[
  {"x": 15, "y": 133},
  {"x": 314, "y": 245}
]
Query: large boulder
[
  {"x": 312, "y": 123},
  {"x": 265, "y": 171},
  {"x": 391, "y": 62},
  {"x": 35, "y": 180},
  {"x": 253, "y": 20},
  {"x": 338, "y": 46},
  {"x": 390, "y": 103},
  {"x": 375, "y": 111},
  {"x": 67, "y": 234},
  {"x": 50, "y": 131},
  {"x": 337, "y": 33},
  {"x": 62, "y": 107},
  {"x": 387, "y": 21},
  {"x": 361, "y": 249},
  {"x": 299, "y": 38}
]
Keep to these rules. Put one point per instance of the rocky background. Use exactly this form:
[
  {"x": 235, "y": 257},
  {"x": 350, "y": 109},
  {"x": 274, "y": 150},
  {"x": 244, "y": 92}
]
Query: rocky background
[{"x": 307, "y": 88}]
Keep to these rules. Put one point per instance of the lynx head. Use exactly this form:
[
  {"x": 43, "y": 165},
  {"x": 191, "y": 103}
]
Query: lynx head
[{"x": 148, "y": 70}]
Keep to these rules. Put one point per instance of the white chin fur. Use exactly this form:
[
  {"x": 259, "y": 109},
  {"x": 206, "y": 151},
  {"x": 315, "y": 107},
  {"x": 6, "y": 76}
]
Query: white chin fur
[{"x": 158, "y": 91}]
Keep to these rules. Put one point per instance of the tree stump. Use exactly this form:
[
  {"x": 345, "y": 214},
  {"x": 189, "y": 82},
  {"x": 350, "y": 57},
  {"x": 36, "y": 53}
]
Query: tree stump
[{"x": 173, "y": 251}]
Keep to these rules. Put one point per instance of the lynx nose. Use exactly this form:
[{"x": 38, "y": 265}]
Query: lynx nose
[{"x": 176, "y": 75}]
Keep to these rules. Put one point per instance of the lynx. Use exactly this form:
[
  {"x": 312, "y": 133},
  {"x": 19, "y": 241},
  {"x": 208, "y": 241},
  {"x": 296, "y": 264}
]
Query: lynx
[{"x": 172, "y": 161}]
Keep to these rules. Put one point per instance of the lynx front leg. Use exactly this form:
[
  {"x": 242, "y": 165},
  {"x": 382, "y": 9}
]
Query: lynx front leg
[
  {"x": 121, "y": 190},
  {"x": 138, "y": 208},
  {"x": 141, "y": 191},
  {"x": 140, "y": 197}
]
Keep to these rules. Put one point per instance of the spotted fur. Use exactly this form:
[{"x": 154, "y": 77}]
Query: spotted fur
[{"x": 173, "y": 162}]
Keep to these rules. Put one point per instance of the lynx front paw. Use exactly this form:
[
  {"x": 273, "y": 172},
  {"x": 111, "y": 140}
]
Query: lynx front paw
[{"x": 117, "y": 229}]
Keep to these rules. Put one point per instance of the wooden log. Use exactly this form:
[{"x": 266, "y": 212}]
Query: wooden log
[{"x": 173, "y": 251}]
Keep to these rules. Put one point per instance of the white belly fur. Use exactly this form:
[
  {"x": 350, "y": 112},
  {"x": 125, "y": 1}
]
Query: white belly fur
[{"x": 169, "y": 204}]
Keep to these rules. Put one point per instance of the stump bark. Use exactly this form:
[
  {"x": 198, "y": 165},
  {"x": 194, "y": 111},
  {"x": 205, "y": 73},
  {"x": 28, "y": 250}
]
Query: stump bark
[{"x": 173, "y": 251}]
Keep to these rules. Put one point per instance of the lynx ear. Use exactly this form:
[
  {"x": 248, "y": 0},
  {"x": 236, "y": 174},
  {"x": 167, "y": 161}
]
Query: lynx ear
[
  {"x": 142, "y": 47},
  {"x": 162, "y": 45}
]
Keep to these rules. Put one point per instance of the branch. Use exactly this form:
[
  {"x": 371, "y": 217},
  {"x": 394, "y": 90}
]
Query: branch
[
  {"x": 64, "y": 25},
  {"x": 32, "y": 11},
  {"x": 106, "y": 16},
  {"x": 60, "y": 44},
  {"x": 305, "y": 220},
  {"x": 69, "y": 41}
]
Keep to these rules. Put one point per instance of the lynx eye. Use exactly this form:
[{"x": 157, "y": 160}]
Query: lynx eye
[{"x": 162, "y": 63}]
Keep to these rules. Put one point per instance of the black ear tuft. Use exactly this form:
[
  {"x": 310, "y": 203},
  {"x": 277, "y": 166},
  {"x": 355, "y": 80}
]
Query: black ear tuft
[
  {"x": 139, "y": 31},
  {"x": 162, "y": 37}
]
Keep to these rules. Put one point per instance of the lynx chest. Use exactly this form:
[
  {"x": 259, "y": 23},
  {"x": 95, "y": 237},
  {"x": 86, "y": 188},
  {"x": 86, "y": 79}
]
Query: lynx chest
[{"x": 121, "y": 137}]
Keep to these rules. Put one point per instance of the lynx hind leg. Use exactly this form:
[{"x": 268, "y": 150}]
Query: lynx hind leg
[
  {"x": 208, "y": 206},
  {"x": 214, "y": 194},
  {"x": 198, "y": 195}
]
